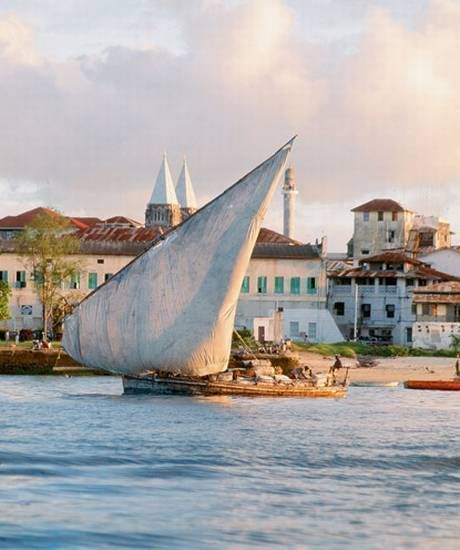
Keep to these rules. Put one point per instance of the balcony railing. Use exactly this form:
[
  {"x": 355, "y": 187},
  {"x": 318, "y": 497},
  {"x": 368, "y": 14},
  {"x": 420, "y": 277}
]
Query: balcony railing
[
  {"x": 438, "y": 318},
  {"x": 392, "y": 290}
]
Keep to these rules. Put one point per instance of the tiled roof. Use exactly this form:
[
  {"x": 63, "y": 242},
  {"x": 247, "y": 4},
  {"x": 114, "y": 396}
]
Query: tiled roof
[
  {"x": 418, "y": 272},
  {"x": 26, "y": 218},
  {"x": 390, "y": 256},
  {"x": 441, "y": 293},
  {"x": 285, "y": 251},
  {"x": 122, "y": 220},
  {"x": 270, "y": 236},
  {"x": 379, "y": 205}
]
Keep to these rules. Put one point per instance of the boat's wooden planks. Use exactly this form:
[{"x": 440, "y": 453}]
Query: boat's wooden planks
[{"x": 198, "y": 387}]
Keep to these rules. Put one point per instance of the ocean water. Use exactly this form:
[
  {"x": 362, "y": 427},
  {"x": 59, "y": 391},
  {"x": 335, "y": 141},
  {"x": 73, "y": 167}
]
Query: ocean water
[{"x": 83, "y": 466}]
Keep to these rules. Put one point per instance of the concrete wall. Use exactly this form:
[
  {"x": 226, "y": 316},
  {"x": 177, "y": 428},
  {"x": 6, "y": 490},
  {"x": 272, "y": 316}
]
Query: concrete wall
[
  {"x": 372, "y": 235},
  {"x": 434, "y": 334},
  {"x": 446, "y": 260}
]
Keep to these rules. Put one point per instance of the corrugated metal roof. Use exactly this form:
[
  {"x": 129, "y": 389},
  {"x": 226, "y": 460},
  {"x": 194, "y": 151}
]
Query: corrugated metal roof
[{"x": 286, "y": 251}]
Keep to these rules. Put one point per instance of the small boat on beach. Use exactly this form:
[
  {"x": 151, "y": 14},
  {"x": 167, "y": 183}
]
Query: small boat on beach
[
  {"x": 364, "y": 384},
  {"x": 165, "y": 321},
  {"x": 440, "y": 385}
]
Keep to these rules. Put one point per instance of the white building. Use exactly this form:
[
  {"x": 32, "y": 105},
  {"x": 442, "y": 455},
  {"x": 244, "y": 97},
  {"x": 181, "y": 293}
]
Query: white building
[
  {"x": 445, "y": 259},
  {"x": 437, "y": 315}
]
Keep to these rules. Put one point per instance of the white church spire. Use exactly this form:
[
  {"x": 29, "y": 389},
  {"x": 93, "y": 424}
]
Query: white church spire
[
  {"x": 184, "y": 188},
  {"x": 164, "y": 192}
]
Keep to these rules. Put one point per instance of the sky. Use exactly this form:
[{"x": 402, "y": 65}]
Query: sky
[{"x": 92, "y": 92}]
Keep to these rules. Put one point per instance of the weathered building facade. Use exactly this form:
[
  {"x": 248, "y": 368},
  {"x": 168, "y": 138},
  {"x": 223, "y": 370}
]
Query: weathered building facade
[
  {"x": 374, "y": 298},
  {"x": 437, "y": 321}
]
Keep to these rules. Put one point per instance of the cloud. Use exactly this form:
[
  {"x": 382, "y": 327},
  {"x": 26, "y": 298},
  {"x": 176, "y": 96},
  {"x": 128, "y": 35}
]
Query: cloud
[{"x": 380, "y": 116}]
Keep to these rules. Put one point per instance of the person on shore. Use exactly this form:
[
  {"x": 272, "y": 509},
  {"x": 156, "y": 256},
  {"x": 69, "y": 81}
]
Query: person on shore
[{"x": 457, "y": 366}]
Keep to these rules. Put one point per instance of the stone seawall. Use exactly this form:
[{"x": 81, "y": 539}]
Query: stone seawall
[{"x": 27, "y": 361}]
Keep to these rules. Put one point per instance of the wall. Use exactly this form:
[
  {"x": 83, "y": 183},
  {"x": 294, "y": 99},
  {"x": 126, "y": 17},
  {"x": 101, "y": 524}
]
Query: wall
[
  {"x": 434, "y": 335},
  {"x": 446, "y": 260},
  {"x": 372, "y": 235}
]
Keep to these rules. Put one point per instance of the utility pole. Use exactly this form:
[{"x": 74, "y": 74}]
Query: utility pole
[{"x": 355, "y": 327}]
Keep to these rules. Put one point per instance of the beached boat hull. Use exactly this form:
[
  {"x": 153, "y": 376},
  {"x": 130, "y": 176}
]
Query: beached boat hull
[
  {"x": 443, "y": 385},
  {"x": 375, "y": 384},
  {"x": 187, "y": 386}
]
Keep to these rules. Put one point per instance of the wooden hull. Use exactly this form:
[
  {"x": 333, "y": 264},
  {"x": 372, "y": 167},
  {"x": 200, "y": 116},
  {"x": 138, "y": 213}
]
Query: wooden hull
[
  {"x": 187, "y": 386},
  {"x": 443, "y": 385},
  {"x": 375, "y": 384}
]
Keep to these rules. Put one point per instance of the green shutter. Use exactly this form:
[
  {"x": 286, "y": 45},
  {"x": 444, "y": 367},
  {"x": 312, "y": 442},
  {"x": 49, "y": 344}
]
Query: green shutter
[
  {"x": 20, "y": 279},
  {"x": 245, "y": 285},
  {"x": 311, "y": 285},
  {"x": 262, "y": 285},
  {"x": 92, "y": 281},
  {"x": 295, "y": 285},
  {"x": 75, "y": 280},
  {"x": 279, "y": 285},
  {"x": 4, "y": 276}
]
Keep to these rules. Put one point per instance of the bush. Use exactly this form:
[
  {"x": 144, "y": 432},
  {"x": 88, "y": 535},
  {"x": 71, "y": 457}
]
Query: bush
[{"x": 352, "y": 349}]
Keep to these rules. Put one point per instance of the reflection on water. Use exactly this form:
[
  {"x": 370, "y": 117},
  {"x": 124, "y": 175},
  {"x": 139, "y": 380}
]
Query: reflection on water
[{"x": 83, "y": 466}]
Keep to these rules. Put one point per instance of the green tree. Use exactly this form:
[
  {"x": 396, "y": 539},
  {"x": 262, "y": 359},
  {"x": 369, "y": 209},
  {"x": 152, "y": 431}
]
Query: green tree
[
  {"x": 5, "y": 293},
  {"x": 49, "y": 249}
]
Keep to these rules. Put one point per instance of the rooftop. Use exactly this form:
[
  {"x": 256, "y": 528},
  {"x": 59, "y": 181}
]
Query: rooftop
[
  {"x": 25, "y": 218},
  {"x": 380, "y": 205},
  {"x": 445, "y": 292}
]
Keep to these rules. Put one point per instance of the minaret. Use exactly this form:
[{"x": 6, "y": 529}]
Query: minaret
[
  {"x": 289, "y": 192},
  {"x": 185, "y": 192},
  {"x": 163, "y": 208}
]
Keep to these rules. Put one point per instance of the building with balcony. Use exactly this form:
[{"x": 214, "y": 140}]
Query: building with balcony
[
  {"x": 374, "y": 298},
  {"x": 437, "y": 309}
]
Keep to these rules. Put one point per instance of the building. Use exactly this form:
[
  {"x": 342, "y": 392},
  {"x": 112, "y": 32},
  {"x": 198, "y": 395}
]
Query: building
[
  {"x": 383, "y": 224},
  {"x": 445, "y": 259},
  {"x": 169, "y": 205},
  {"x": 287, "y": 277},
  {"x": 374, "y": 297},
  {"x": 437, "y": 315}
]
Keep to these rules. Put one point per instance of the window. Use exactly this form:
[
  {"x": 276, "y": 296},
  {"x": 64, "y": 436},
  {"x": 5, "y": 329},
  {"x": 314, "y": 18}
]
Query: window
[
  {"x": 245, "y": 285},
  {"x": 364, "y": 252},
  {"x": 92, "y": 281},
  {"x": 312, "y": 331},
  {"x": 366, "y": 311},
  {"x": 311, "y": 285},
  {"x": 339, "y": 309},
  {"x": 410, "y": 282},
  {"x": 20, "y": 279},
  {"x": 294, "y": 329},
  {"x": 26, "y": 310},
  {"x": 409, "y": 335},
  {"x": 262, "y": 285},
  {"x": 75, "y": 280},
  {"x": 391, "y": 236},
  {"x": 422, "y": 282},
  {"x": 100, "y": 260},
  {"x": 380, "y": 216},
  {"x": 295, "y": 285},
  {"x": 365, "y": 216},
  {"x": 390, "y": 311},
  {"x": 426, "y": 309},
  {"x": 279, "y": 285},
  {"x": 107, "y": 276},
  {"x": 414, "y": 309},
  {"x": 394, "y": 216},
  {"x": 4, "y": 276}
]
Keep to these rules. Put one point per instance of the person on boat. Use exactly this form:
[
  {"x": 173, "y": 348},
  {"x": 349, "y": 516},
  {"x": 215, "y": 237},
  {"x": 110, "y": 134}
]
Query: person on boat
[
  {"x": 333, "y": 370},
  {"x": 301, "y": 373}
]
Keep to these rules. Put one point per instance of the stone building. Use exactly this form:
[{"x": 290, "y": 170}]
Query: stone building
[
  {"x": 169, "y": 205},
  {"x": 376, "y": 296},
  {"x": 437, "y": 315},
  {"x": 287, "y": 277},
  {"x": 383, "y": 224}
]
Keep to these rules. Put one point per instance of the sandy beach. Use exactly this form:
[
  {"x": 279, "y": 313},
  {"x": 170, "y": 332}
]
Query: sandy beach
[{"x": 388, "y": 369}]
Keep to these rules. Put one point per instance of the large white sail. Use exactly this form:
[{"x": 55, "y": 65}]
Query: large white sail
[{"x": 172, "y": 308}]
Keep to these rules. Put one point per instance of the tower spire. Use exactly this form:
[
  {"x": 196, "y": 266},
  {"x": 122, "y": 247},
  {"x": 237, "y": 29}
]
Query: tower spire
[
  {"x": 185, "y": 192},
  {"x": 289, "y": 192},
  {"x": 163, "y": 191}
]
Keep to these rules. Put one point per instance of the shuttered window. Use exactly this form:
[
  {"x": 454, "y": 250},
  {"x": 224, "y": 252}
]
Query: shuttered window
[
  {"x": 279, "y": 285},
  {"x": 295, "y": 285},
  {"x": 262, "y": 285},
  {"x": 75, "y": 280},
  {"x": 92, "y": 281},
  {"x": 4, "y": 276},
  {"x": 311, "y": 285},
  {"x": 245, "y": 285},
  {"x": 20, "y": 279}
]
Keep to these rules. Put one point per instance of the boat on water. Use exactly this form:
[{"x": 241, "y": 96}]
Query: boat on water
[
  {"x": 440, "y": 385},
  {"x": 363, "y": 384},
  {"x": 165, "y": 321}
]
